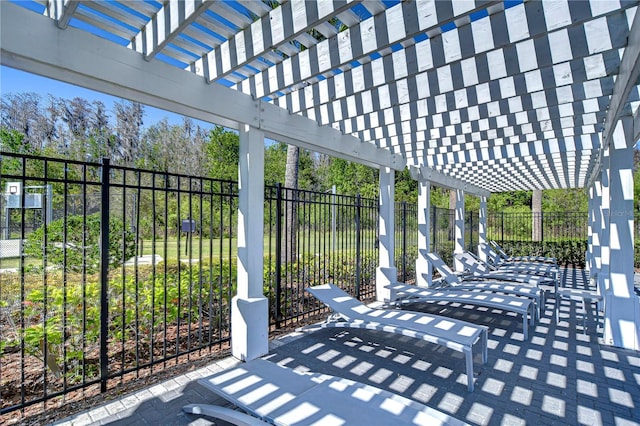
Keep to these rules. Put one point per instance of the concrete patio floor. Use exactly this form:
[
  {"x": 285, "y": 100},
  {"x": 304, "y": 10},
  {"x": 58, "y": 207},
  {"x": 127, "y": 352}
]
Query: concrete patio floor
[{"x": 559, "y": 376}]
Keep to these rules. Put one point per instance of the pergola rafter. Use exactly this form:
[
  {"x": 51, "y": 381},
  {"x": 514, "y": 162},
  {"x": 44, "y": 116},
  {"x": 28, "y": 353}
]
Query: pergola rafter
[
  {"x": 359, "y": 42},
  {"x": 167, "y": 24},
  {"x": 276, "y": 30}
]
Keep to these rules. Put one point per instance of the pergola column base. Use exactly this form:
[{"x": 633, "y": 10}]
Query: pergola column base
[
  {"x": 385, "y": 276},
  {"x": 250, "y": 330},
  {"x": 423, "y": 272}
]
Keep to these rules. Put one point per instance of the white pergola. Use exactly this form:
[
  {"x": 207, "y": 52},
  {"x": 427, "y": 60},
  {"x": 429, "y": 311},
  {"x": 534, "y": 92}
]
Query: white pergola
[{"x": 475, "y": 96}]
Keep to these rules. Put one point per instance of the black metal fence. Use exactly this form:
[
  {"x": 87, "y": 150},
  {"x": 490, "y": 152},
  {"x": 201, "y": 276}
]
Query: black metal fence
[
  {"x": 315, "y": 238},
  {"x": 136, "y": 283},
  {"x": 136, "y": 269}
]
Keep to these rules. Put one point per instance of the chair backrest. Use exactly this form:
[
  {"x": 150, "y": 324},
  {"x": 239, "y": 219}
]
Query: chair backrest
[
  {"x": 339, "y": 301},
  {"x": 447, "y": 274},
  {"x": 499, "y": 249},
  {"x": 492, "y": 256},
  {"x": 471, "y": 263}
]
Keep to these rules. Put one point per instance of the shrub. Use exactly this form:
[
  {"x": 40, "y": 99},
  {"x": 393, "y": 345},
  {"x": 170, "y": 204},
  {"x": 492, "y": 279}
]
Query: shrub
[
  {"x": 62, "y": 321},
  {"x": 74, "y": 243}
]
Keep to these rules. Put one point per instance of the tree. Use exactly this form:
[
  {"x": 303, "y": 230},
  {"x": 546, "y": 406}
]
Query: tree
[
  {"x": 564, "y": 200},
  {"x": 22, "y": 112},
  {"x": 128, "y": 128},
  {"x": 352, "y": 178},
  {"x": 223, "y": 154}
]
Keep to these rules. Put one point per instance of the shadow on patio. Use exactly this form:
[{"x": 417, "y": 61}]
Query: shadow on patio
[{"x": 559, "y": 376}]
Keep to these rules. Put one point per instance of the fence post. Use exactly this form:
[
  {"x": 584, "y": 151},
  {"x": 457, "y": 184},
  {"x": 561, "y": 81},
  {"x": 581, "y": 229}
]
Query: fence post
[
  {"x": 358, "y": 260},
  {"x": 501, "y": 227},
  {"x": 404, "y": 241},
  {"x": 434, "y": 226},
  {"x": 104, "y": 274},
  {"x": 470, "y": 231},
  {"x": 278, "y": 253},
  {"x": 542, "y": 227}
]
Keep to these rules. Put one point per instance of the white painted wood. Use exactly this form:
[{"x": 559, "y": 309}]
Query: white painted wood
[
  {"x": 386, "y": 273},
  {"x": 423, "y": 266},
  {"x": 459, "y": 229},
  {"x": 482, "y": 228},
  {"x": 622, "y": 328},
  {"x": 363, "y": 39},
  {"x": 249, "y": 313},
  {"x": 433, "y": 176},
  {"x": 250, "y": 211},
  {"x": 178, "y": 15},
  {"x": 293, "y": 12},
  {"x": 626, "y": 80}
]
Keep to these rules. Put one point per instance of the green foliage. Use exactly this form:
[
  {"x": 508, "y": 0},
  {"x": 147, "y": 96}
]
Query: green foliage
[
  {"x": 275, "y": 161},
  {"x": 62, "y": 323},
  {"x": 74, "y": 243},
  {"x": 566, "y": 252},
  {"x": 564, "y": 200},
  {"x": 13, "y": 141},
  {"x": 514, "y": 201},
  {"x": 406, "y": 189},
  {"x": 352, "y": 179},
  {"x": 223, "y": 151}
]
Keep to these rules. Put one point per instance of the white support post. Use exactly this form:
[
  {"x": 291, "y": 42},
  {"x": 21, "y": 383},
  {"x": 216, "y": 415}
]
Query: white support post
[
  {"x": 594, "y": 239},
  {"x": 482, "y": 228},
  {"x": 386, "y": 273},
  {"x": 622, "y": 314},
  {"x": 605, "y": 199},
  {"x": 423, "y": 267},
  {"x": 249, "y": 310},
  {"x": 459, "y": 228}
]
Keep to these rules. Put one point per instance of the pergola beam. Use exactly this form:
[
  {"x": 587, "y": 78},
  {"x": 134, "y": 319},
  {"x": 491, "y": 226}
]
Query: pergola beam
[
  {"x": 171, "y": 20},
  {"x": 424, "y": 173},
  {"x": 625, "y": 81},
  {"x": 31, "y": 44}
]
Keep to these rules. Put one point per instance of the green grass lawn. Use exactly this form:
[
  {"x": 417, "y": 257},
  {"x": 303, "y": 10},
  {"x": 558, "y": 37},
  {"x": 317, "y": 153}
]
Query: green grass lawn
[{"x": 205, "y": 248}]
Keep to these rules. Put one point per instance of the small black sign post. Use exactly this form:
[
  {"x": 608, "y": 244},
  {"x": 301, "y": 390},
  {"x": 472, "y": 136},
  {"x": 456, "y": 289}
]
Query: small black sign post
[{"x": 188, "y": 227}]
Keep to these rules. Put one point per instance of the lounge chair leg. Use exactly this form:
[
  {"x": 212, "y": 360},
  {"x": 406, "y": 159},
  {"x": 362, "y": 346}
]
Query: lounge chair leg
[
  {"x": 485, "y": 347},
  {"x": 469, "y": 362}
]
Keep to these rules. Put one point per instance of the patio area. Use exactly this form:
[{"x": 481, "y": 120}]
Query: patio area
[{"x": 560, "y": 375}]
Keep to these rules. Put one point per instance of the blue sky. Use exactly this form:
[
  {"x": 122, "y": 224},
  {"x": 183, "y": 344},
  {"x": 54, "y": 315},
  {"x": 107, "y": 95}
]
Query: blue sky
[{"x": 16, "y": 81}]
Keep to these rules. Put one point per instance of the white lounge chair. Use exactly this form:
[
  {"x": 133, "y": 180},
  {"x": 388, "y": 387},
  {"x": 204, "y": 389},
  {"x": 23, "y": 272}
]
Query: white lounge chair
[
  {"x": 481, "y": 270},
  {"x": 454, "y": 334},
  {"x": 531, "y": 268},
  {"x": 273, "y": 394},
  {"x": 498, "y": 286},
  {"x": 507, "y": 258},
  {"x": 404, "y": 293}
]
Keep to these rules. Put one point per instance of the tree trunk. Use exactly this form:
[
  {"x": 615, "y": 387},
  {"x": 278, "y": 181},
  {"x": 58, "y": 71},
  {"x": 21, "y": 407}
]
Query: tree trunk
[
  {"x": 289, "y": 251},
  {"x": 536, "y": 216}
]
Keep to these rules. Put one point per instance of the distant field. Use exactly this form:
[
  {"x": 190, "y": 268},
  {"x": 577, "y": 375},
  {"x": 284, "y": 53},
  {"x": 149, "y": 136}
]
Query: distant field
[{"x": 183, "y": 248}]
